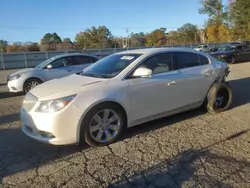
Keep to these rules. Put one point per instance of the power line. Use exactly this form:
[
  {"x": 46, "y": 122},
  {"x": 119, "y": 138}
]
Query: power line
[{"x": 80, "y": 29}]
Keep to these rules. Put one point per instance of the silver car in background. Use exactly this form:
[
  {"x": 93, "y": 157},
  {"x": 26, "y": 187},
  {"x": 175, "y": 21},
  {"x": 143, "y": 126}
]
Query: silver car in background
[{"x": 55, "y": 67}]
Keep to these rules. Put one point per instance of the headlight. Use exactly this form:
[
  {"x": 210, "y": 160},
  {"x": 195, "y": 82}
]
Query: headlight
[
  {"x": 222, "y": 56},
  {"x": 54, "y": 105},
  {"x": 15, "y": 77}
]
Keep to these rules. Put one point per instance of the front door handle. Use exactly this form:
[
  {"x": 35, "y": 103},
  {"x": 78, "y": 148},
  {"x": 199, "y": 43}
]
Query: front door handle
[
  {"x": 171, "y": 83},
  {"x": 207, "y": 74}
]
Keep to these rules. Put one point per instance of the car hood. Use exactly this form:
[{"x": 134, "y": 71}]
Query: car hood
[
  {"x": 24, "y": 71},
  {"x": 63, "y": 87}
]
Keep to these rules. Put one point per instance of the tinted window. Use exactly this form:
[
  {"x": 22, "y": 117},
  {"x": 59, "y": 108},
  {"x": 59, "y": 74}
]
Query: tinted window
[
  {"x": 159, "y": 63},
  {"x": 69, "y": 61},
  {"x": 185, "y": 60},
  {"x": 203, "y": 60},
  {"x": 93, "y": 59},
  {"x": 80, "y": 60},
  {"x": 239, "y": 48}
]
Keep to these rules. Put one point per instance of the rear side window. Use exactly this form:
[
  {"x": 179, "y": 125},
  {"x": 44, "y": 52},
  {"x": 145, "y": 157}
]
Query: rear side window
[
  {"x": 185, "y": 60},
  {"x": 80, "y": 60},
  {"x": 203, "y": 60},
  {"x": 93, "y": 59}
]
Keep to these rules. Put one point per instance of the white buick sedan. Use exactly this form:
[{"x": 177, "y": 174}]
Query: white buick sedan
[{"x": 123, "y": 90}]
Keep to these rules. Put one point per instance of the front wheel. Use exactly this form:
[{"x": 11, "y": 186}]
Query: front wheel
[
  {"x": 30, "y": 84},
  {"x": 102, "y": 125},
  {"x": 219, "y": 98},
  {"x": 231, "y": 60}
]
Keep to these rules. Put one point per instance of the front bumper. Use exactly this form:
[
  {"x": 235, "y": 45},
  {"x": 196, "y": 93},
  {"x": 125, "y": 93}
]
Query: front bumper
[
  {"x": 15, "y": 86},
  {"x": 222, "y": 58},
  {"x": 59, "y": 128}
]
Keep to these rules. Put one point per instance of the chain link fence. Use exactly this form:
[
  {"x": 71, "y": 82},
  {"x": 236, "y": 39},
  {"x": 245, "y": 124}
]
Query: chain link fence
[{"x": 32, "y": 59}]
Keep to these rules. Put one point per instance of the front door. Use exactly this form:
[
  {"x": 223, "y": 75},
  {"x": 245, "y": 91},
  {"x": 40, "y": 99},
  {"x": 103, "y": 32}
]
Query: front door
[
  {"x": 57, "y": 70},
  {"x": 154, "y": 95}
]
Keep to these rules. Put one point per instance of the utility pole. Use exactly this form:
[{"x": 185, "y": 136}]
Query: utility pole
[{"x": 127, "y": 38}]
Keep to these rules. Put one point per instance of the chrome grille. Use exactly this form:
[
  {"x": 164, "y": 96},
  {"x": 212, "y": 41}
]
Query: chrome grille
[{"x": 29, "y": 102}]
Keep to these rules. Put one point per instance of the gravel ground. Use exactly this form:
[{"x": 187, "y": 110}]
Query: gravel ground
[{"x": 193, "y": 149}]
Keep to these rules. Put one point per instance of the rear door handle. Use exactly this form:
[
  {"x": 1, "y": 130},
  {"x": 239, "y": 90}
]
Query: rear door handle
[{"x": 171, "y": 83}]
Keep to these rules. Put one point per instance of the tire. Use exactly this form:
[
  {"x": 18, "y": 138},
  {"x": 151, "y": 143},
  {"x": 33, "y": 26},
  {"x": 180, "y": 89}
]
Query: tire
[
  {"x": 90, "y": 137},
  {"x": 219, "y": 98},
  {"x": 231, "y": 60},
  {"x": 28, "y": 84}
]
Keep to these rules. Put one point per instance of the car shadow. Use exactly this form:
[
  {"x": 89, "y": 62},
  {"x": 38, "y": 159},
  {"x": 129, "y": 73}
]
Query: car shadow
[
  {"x": 189, "y": 166},
  {"x": 3, "y": 84},
  {"x": 4, "y": 95},
  {"x": 9, "y": 118}
]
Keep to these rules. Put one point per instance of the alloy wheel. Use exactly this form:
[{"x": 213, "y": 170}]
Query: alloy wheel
[{"x": 104, "y": 125}]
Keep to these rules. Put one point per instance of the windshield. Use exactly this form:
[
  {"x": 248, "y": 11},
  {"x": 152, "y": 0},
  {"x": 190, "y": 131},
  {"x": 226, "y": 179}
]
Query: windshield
[
  {"x": 226, "y": 48},
  {"x": 44, "y": 63},
  {"x": 110, "y": 66}
]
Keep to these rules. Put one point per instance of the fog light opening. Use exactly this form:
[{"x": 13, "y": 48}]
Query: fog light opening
[{"x": 46, "y": 134}]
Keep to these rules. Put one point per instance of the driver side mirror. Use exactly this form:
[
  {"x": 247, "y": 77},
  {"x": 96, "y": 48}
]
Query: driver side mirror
[
  {"x": 142, "y": 72},
  {"x": 49, "y": 66}
]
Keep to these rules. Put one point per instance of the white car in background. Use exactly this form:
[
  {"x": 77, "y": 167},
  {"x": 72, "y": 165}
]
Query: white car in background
[
  {"x": 203, "y": 48},
  {"x": 123, "y": 90},
  {"x": 55, "y": 67}
]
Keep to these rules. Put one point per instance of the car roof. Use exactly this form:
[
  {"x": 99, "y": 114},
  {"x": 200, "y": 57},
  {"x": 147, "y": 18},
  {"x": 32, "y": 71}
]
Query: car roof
[
  {"x": 149, "y": 51},
  {"x": 74, "y": 54}
]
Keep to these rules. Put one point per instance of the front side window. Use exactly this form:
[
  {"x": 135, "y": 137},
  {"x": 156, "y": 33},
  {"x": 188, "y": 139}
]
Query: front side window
[
  {"x": 110, "y": 66},
  {"x": 58, "y": 63},
  {"x": 159, "y": 63},
  {"x": 185, "y": 60}
]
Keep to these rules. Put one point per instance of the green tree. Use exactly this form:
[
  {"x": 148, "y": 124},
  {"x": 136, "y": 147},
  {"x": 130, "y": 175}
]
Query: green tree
[
  {"x": 240, "y": 17},
  {"x": 96, "y": 37},
  {"x": 3, "y": 45},
  {"x": 188, "y": 33},
  {"x": 217, "y": 15},
  {"x": 50, "y": 41}
]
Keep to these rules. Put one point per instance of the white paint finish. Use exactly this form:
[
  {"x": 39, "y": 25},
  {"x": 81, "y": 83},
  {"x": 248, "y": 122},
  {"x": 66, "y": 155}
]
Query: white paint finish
[
  {"x": 45, "y": 74},
  {"x": 141, "y": 98}
]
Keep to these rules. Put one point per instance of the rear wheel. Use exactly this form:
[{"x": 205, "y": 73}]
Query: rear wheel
[
  {"x": 219, "y": 98},
  {"x": 30, "y": 84},
  {"x": 102, "y": 125}
]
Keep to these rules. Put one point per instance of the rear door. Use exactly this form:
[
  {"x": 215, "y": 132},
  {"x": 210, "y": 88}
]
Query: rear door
[{"x": 196, "y": 76}]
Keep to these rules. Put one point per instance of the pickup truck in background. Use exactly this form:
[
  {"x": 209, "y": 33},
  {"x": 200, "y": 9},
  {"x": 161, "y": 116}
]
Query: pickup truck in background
[{"x": 232, "y": 53}]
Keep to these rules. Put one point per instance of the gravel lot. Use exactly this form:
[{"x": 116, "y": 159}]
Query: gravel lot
[{"x": 193, "y": 149}]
